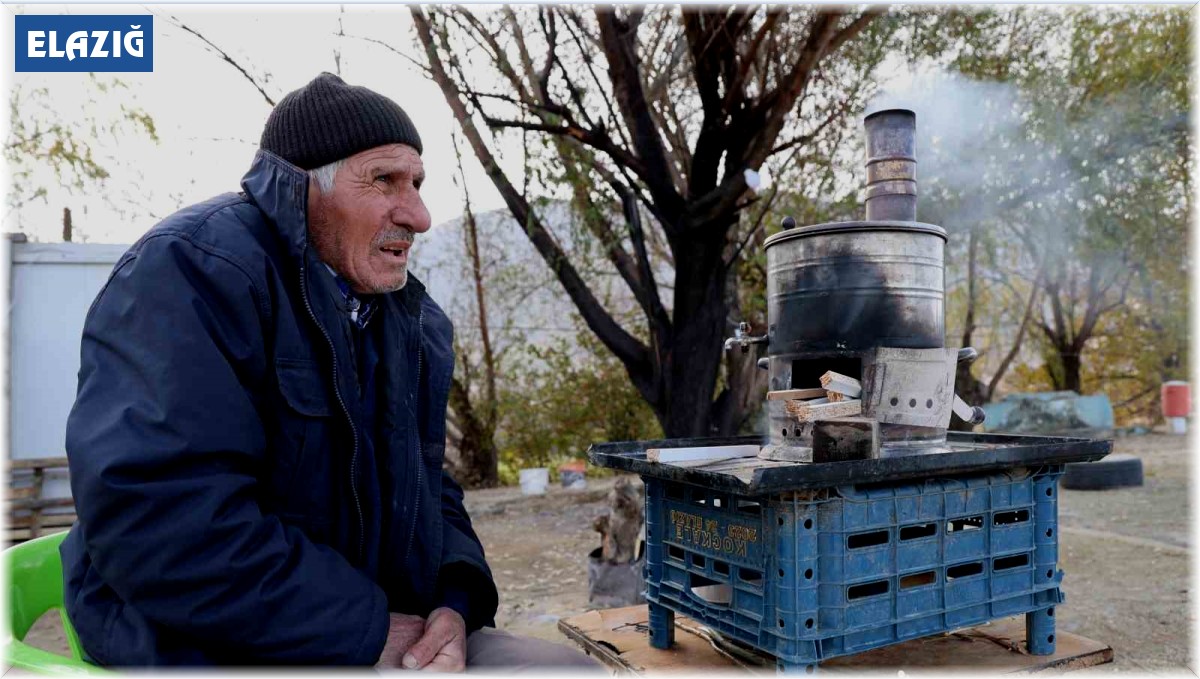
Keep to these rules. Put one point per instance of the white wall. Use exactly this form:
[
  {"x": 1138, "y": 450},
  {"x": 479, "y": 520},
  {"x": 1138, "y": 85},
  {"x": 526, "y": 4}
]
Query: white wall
[{"x": 52, "y": 287}]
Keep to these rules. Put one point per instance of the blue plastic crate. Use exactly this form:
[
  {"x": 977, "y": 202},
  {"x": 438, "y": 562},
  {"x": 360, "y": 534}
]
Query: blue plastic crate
[{"x": 812, "y": 575}]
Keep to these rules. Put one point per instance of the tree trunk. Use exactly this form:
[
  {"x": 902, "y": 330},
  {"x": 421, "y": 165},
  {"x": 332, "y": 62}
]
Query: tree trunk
[
  {"x": 693, "y": 357},
  {"x": 478, "y": 462},
  {"x": 1071, "y": 366}
]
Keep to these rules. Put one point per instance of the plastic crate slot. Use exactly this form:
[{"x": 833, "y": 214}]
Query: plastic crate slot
[
  {"x": 964, "y": 570},
  {"x": 749, "y": 507},
  {"x": 750, "y": 576},
  {"x": 710, "y": 591},
  {"x": 1008, "y": 518},
  {"x": 915, "y": 532},
  {"x": 1009, "y": 562},
  {"x": 716, "y": 502},
  {"x": 698, "y": 560},
  {"x": 867, "y": 589},
  {"x": 860, "y": 540},
  {"x": 702, "y": 500},
  {"x": 960, "y": 525},
  {"x": 675, "y": 492},
  {"x": 720, "y": 567},
  {"x": 675, "y": 552},
  {"x": 918, "y": 580}
]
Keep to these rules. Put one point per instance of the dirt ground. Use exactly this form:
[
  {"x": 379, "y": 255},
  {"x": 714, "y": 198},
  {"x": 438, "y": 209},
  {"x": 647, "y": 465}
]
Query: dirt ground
[{"x": 1125, "y": 554}]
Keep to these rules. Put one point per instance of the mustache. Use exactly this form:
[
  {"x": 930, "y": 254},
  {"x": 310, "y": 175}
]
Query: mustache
[{"x": 393, "y": 235}]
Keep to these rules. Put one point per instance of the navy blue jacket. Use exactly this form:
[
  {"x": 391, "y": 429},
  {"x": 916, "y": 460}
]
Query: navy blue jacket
[{"x": 216, "y": 452}]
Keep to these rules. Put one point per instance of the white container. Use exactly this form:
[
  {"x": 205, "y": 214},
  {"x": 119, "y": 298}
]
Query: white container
[{"x": 534, "y": 481}]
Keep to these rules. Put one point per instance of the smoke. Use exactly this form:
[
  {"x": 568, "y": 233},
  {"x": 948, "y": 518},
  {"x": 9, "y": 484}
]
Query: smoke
[
  {"x": 975, "y": 156},
  {"x": 993, "y": 158}
]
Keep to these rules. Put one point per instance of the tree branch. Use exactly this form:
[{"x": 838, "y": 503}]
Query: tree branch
[
  {"x": 617, "y": 40},
  {"x": 1016, "y": 347},
  {"x": 225, "y": 56},
  {"x": 626, "y": 347},
  {"x": 599, "y": 141}
]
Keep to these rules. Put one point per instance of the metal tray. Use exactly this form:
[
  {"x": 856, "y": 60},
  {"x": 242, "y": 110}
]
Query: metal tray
[{"x": 963, "y": 453}]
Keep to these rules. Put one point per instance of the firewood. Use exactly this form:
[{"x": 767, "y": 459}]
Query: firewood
[
  {"x": 807, "y": 412},
  {"x": 842, "y": 384},
  {"x": 835, "y": 397},
  {"x": 787, "y": 394},
  {"x": 670, "y": 455}
]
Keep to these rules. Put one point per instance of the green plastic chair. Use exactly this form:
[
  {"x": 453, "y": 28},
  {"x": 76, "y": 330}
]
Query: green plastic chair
[{"x": 36, "y": 586}]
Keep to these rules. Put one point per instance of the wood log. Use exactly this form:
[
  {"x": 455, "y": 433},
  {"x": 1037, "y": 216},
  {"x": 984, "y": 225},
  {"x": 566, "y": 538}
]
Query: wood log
[
  {"x": 789, "y": 394},
  {"x": 842, "y": 384},
  {"x": 805, "y": 411}
]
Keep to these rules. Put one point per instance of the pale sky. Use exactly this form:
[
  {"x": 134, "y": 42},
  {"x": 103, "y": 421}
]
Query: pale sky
[{"x": 209, "y": 117}]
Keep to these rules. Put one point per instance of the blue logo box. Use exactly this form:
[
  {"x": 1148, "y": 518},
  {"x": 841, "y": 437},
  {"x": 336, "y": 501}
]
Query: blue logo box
[{"x": 102, "y": 43}]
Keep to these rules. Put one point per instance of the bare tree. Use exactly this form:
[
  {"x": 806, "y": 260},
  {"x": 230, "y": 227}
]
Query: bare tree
[{"x": 652, "y": 120}]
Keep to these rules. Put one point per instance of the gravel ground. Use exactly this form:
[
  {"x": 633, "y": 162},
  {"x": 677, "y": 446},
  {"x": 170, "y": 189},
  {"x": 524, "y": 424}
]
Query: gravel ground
[
  {"x": 1125, "y": 554},
  {"x": 1126, "y": 558}
]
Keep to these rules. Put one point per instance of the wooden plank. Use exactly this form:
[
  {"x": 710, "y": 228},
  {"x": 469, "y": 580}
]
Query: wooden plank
[
  {"x": 805, "y": 412},
  {"x": 619, "y": 637},
  {"x": 26, "y": 520},
  {"x": 37, "y": 463},
  {"x": 670, "y": 455},
  {"x": 21, "y": 493},
  {"x": 841, "y": 384},
  {"x": 22, "y": 534},
  {"x": 789, "y": 394},
  {"x": 37, "y": 504}
]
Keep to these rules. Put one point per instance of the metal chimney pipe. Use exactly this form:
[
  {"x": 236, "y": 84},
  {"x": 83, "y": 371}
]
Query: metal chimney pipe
[{"x": 891, "y": 165}]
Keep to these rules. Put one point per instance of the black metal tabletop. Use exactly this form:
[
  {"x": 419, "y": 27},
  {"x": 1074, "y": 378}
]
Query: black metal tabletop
[{"x": 963, "y": 453}]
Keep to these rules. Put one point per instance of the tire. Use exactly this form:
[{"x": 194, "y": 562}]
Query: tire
[{"x": 1114, "y": 471}]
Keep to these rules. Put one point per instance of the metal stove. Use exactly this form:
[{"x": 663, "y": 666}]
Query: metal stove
[{"x": 815, "y": 549}]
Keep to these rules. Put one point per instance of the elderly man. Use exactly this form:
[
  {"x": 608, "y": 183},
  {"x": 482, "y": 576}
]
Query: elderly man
[{"x": 256, "y": 445}]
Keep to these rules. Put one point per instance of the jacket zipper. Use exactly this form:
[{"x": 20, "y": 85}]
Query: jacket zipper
[
  {"x": 337, "y": 392},
  {"x": 416, "y": 416}
]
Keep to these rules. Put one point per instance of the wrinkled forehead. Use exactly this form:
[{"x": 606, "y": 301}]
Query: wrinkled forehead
[{"x": 393, "y": 158}]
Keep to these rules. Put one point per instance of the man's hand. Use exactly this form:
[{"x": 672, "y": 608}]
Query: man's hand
[
  {"x": 443, "y": 647},
  {"x": 403, "y": 632}
]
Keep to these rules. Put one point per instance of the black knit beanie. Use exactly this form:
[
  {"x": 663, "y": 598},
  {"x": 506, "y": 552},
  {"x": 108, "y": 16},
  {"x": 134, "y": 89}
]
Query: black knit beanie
[{"x": 328, "y": 120}]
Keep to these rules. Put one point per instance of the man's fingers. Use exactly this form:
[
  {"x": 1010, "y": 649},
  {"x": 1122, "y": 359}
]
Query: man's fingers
[
  {"x": 446, "y": 661},
  {"x": 435, "y": 637}
]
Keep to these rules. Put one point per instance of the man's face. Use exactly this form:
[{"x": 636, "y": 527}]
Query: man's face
[{"x": 365, "y": 226}]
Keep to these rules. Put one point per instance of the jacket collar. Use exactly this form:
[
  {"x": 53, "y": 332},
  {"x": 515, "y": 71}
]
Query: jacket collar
[{"x": 280, "y": 190}]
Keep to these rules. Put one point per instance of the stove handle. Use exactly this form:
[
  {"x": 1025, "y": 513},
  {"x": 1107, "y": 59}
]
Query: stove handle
[{"x": 967, "y": 413}]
